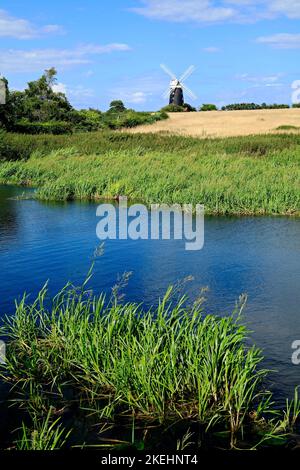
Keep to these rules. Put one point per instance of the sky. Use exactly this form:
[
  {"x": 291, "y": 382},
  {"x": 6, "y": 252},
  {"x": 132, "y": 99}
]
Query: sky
[{"x": 242, "y": 50}]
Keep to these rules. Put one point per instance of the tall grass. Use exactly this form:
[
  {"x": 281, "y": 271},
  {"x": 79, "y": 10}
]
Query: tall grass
[
  {"x": 20, "y": 147},
  {"x": 246, "y": 176},
  {"x": 43, "y": 435},
  {"x": 120, "y": 362}
]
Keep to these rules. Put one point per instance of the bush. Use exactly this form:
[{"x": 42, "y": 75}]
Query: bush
[
  {"x": 189, "y": 108},
  {"x": 208, "y": 107},
  {"x": 51, "y": 127},
  {"x": 131, "y": 118},
  {"x": 173, "y": 108},
  {"x": 86, "y": 120},
  {"x": 4, "y": 147},
  {"x": 296, "y": 105},
  {"x": 252, "y": 106}
]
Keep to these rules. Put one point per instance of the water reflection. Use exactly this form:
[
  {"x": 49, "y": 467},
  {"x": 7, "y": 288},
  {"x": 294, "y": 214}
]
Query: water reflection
[{"x": 257, "y": 256}]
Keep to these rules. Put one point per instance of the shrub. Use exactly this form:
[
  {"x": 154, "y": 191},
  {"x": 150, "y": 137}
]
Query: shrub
[
  {"x": 52, "y": 127},
  {"x": 4, "y": 147},
  {"x": 252, "y": 106},
  {"x": 296, "y": 105},
  {"x": 173, "y": 108},
  {"x": 86, "y": 120},
  {"x": 189, "y": 108},
  {"x": 208, "y": 107}
]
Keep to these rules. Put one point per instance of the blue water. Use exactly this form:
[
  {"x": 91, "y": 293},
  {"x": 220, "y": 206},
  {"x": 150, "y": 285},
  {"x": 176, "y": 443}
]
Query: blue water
[{"x": 258, "y": 256}]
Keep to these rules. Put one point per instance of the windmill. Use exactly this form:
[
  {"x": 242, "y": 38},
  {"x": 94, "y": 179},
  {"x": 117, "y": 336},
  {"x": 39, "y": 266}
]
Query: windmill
[{"x": 177, "y": 87}]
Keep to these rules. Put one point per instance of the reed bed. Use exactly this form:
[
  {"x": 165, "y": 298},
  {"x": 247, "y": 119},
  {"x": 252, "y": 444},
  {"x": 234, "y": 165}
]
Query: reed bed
[
  {"x": 21, "y": 147},
  {"x": 81, "y": 358},
  {"x": 242, "y": 178}
]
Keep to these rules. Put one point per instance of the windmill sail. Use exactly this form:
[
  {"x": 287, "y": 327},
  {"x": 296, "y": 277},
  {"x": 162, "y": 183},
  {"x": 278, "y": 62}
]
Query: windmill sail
[{"x": 175, "y": 91}]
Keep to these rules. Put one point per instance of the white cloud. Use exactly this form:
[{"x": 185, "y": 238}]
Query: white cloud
[
  {"x": 89, "y": 73},
  {"x": 211, "y": 49},
  {"x": 139, "y": 90},
  {"x": 281, "y": 41},
  {"x": 131, "y": 96},
  {"x": 261, "y": 80},
  {"x": 290, "y": 8},
  {"x": 80, "y": 92},
  {"x": 79, "y": 95},
  {"x": 59, "y": 88},
  {"x": 214, "y": 11},
  {"x": 52, "y": 29},
  {"x": 136, "y": 97},
  {"x": 179, "y": 11},
  {"x": 23, "y": 29},
  {"x": 12, "y": 60}
]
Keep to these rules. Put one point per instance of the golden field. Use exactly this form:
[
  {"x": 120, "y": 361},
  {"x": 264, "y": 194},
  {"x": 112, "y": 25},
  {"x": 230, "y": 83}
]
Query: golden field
[{"x": 226, "y": 123}]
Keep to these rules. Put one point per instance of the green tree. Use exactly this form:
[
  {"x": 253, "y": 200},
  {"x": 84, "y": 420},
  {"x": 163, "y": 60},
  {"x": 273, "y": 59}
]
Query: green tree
[
  {"x": 208, "y": 107},
  {"x": 189, "y": 108},
  {"x": 39, "y": 103},
  {"x": 117, "y": 106}
]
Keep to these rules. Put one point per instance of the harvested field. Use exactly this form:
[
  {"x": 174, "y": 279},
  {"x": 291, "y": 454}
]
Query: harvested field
[{"x": 227, "y": 123}]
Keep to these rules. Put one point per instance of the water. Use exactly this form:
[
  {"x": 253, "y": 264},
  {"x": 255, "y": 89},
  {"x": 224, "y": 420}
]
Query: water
[{"x": 258, "y": 256}]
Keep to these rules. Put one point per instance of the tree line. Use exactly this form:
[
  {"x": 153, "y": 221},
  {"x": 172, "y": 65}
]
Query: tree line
[
  {"x": 229, "y": 107},
  {"x": 40, "y": 109}
]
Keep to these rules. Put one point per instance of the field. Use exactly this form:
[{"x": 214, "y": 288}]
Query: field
[
  {"x": 227, "y": 123},
  {"x": 242, "y": 175}
]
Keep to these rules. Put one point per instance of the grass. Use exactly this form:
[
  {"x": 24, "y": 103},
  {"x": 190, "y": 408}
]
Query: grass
[
  {"x": 118, "y": 370},
  {"x": 45, "y": 434},
  {"x": 246, "y": 175},
  {"x": 286, "y": 127},
  {"x": 20, "y": 147}
]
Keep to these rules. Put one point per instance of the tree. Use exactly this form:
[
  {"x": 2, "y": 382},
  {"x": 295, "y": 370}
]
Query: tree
[
  {"x": 117, "y": 106},
  {"x": 39, "y": 103},
  {"x": 208, "y": 107},
  {"x": 189, "y": 108}
]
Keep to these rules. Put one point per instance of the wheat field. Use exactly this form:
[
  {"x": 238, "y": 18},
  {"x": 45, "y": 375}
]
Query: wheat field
[{"x": 226, "y": 123}]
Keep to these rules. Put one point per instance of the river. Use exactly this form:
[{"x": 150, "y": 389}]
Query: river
[{"x": 259, "y": 256}]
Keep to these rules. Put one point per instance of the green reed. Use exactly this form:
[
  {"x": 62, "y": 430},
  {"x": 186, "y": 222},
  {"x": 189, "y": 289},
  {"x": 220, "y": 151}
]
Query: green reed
[
  {"x": 243, "y": 176},
  {"x": 165, "y": 364}
]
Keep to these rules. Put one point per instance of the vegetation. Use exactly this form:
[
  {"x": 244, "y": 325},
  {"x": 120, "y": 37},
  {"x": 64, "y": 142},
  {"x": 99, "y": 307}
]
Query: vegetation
[
  {"x": 39, "y": 109},
  {"x": 89, "y": 363},
  {"x": 249, "y": 106},
  {"x": 208, "y": 107},
  {"x": 230, "y": 107},
  {"x": 189, "y": 108},
  {"x": 174, "y": 108},
  {"x": 242, "y": 175},
  {"x": 287, "y": 127}
]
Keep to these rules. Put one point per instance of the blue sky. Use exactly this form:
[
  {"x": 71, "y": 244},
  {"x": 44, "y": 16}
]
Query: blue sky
[{"x": 243, "y": 50}]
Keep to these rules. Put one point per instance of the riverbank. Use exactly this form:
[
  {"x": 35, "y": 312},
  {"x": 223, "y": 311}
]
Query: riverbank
[
  {"x": 257, "y": 175},
  {"x": 89, "y": 371}
]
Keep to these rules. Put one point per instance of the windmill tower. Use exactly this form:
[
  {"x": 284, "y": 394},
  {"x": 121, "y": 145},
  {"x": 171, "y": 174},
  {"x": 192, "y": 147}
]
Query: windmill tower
[{"x": 177, "y": 86}]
